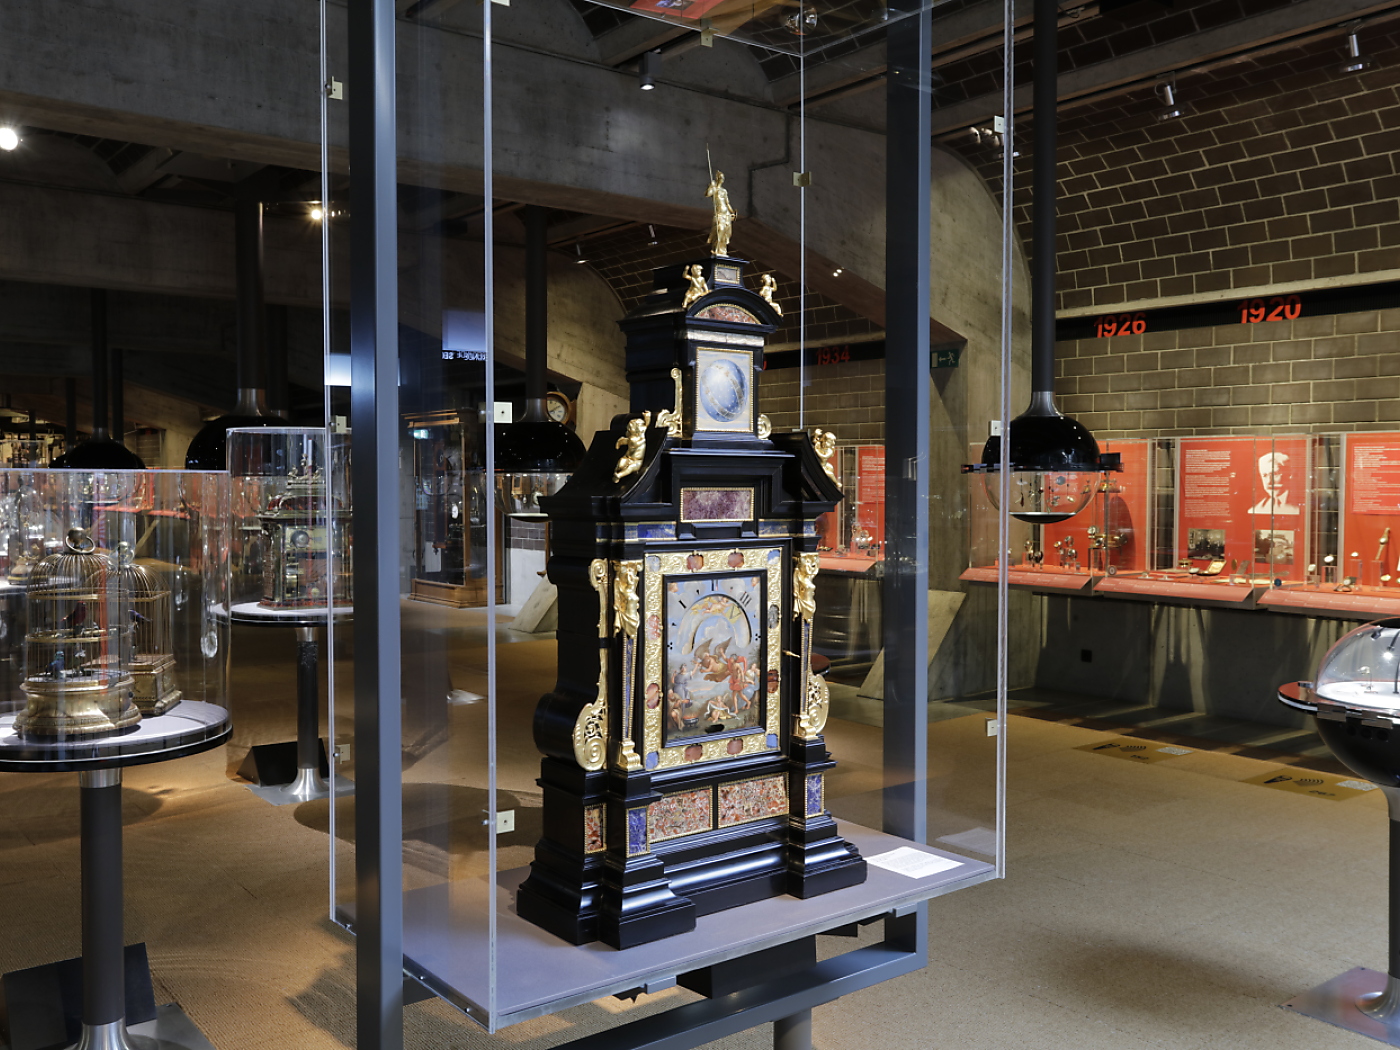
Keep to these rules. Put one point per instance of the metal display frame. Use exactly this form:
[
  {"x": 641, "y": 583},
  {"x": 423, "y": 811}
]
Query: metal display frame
[{"x": 383, "y": 986}]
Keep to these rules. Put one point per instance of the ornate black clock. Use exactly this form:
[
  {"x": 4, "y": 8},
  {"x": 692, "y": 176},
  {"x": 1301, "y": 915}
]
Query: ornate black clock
[{"x": 685, "y": 765}]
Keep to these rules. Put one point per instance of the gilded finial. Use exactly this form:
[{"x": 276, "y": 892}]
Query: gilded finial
[
  {"x": 770, "y": 286},
  {"x": 635, "y": 442},
  {"x": 670, "y": 418},
  {"x": 696, "y": 276},
  {"x": 722, "y": 226}
]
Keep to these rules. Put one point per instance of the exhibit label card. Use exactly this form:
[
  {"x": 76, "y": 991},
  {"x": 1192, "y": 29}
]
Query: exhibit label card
[
  {"x": 912, "y": 862},
  {"x": 1371, "y": 524}
]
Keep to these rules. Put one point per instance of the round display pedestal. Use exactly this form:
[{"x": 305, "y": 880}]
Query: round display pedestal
[
  {"x": 99, "y": 762},
  {"x": 1366, "y": 741},
  {"x": 308, "y": 784}
]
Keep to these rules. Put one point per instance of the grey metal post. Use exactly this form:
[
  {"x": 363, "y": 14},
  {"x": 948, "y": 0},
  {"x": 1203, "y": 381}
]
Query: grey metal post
[
  {"x": 251, "y": 302},
  {"x": 308, "y": 700},
  {"x": 100, "y": 393},
  {"x": 375, "y": 475},
  {"x": 104, "y": 963},
  {"x": 793, "y": 1032},
  {"x": 907, "y": 388},
  {"x": 118, "y": 395}
]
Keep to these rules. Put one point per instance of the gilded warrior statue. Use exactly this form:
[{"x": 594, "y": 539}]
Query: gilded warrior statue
[{"x": 723, "y": 227}]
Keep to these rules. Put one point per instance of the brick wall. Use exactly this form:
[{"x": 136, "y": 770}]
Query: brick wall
[
  {"x": 846, "y": 399},
  {"x": 1323, "y": 373},
  {"x": 1285, "y": 170},
  {"x": 1285, "y": 174}
]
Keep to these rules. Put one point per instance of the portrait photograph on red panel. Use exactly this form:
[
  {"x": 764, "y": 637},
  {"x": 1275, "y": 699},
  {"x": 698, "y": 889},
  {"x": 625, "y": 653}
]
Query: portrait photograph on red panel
[{"x": 1242, "y": 507}]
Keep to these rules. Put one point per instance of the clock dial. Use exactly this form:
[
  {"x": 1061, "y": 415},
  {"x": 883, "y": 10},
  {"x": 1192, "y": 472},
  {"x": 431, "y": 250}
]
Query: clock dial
[
  {"x": 559, "y": 407},
  {"x": 715, "y": 629},
  {"x": 723, "y": 390}
]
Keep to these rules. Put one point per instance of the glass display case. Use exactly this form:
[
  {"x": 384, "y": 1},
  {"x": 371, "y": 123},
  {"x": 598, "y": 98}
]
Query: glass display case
[
  {"x": 679, "y": 770},
  {"x": 292, "y": 550},
  {"x": 1110, "y": 535},
  {"x": 450, "y": 508},
  {"x": 114, "y": 649},
  {"x": 1362, "y": 670}
]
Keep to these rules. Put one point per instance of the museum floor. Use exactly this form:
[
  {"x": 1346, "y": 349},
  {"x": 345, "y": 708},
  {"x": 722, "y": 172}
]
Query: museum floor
[{"x": 1162, "y": 904}]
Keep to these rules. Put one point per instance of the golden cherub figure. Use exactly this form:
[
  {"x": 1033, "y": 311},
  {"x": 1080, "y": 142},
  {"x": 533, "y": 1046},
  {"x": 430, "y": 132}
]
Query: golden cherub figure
[
  {"x": 627, "y": 604},
  {"x": 770, "y": 287},
  {"x": 824, "y": 441},
  {"x": 635, "y": 441},
  {"x": 696, "y": 276},
  {"x": 804, "y": 586},
  {"x": 722, "y": 227}
]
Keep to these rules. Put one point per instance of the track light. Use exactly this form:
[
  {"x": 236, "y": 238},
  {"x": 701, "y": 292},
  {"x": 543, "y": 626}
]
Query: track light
[
  {"x": 652, "y": 230},
  {"x": 578, "y": 250},
  {"x": 9, "y": 139},
  {"x": 317, "y": 214},
  {"x": 1356, "y": 61},
  {"x": 1174, "y": 108},
  {"x": 650, "y": 66}
]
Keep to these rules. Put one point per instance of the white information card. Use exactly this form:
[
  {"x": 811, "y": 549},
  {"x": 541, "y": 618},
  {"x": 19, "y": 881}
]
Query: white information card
[{"x": 912, "y": 862}]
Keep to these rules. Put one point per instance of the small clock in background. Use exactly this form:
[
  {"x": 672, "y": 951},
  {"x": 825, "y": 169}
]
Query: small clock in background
[{"x": 560, "y": 408}]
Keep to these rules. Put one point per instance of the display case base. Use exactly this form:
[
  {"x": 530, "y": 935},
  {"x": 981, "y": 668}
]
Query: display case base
[
  {"x": 308, "y": 786},
  {"x": 1335, "y": 1002},
  {"x": 171, "y": 1029},
  {"x": 44, "y": 1003},
  {"x": 456, "y": 595}
]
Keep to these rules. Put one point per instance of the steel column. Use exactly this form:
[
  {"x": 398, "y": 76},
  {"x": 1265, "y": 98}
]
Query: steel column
[
  {"x": 251, "y": 304},
  {"x": 99, "y": 363},
  {"x": 907, "y": 390},
  {"x": 1044, "y": 187},
  {"x": 375, "y": 484},
  {"x": 104, "y": 965},
  {"x": 536, "y": 302},
  {"x": 793, "y": 1032}
]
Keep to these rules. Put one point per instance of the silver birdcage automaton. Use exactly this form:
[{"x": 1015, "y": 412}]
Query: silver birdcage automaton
[
  {"x": 77, "y": 678},
  {"x": 149, "y": 613}
]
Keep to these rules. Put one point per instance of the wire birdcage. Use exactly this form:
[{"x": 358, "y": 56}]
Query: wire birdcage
[{"x": 77, "y": 647}]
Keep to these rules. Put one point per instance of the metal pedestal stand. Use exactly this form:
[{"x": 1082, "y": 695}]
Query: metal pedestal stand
[
  {"x": 1360, "y": 1000},
  {"x": 1364, "y": 1001},
  {"x": 104, "y": 964},
  {"x": 189, "y": 728},
  {"x": 308, "y": 784}
]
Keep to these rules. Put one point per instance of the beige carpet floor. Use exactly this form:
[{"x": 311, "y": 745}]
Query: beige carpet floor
[{"x": 1166, "y": 905}]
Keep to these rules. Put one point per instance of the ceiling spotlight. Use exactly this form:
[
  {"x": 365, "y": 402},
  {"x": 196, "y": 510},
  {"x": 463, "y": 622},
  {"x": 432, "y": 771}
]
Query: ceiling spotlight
[
  {"x": 578, "y": 250},
  {"x": 9, "y": 139},
  {"x": 1174, "y": 108},
  {"x": 1355, "y": 62},
  {"x": 650, "y": 66},
  {"x": 317, "y": 214},
  {"x": 838, "y": 271},
  {"x": 652, "y": 230}
]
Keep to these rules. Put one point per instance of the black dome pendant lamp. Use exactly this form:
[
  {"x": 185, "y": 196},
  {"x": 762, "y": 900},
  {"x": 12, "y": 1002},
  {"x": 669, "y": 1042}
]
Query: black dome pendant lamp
[
  {"x": 100, "y": 451},
  {"x": 534, "y": 455},
  {"x": 1053, "y": 459},
  {"x": 208, "y": 450}
]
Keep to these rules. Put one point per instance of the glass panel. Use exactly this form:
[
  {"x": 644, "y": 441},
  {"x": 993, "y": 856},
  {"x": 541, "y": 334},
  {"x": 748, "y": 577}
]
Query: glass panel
[{"x": 455, "y": 565}]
